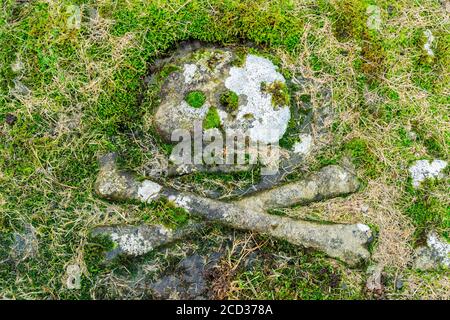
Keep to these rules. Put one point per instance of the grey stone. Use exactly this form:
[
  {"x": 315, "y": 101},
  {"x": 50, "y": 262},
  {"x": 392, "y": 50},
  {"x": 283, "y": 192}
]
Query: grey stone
[
  {"x": 194, "y": 267},
  {"x": 139, "y": 240},
  {"x": 436, "y": 254},
  {"x": 374, "y": 283},
  {"x": 187, "y": 283},
  {"x": 114, "y": 184},
  {"x": 168, "y": 287},
  {"x": 214, "y": 259},
  {"x": 399, "y": 284},
  {"x": 20, "y": 90},
  {"x": 330, "y": 182},
  {"x": 345, "y": 242},
  {"x": 211, "y": 71}
]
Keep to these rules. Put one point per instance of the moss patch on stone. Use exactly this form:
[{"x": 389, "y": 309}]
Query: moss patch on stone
[
  {"x": 230, "y": 101},
  {"x": 167, "y": 70},
  {"x": 279, "y": 92},
  {"x": 212, "y": 119},
  {"x": 195, "y": 99}
]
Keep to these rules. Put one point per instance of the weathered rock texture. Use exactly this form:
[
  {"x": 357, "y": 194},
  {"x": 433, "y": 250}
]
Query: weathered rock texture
[
  {"x": 138, "y": 240},
  {"x": 436, "y": 254},
  {"x": 345, "y": 242},
  {"x": 188, "y": 282},
  {"x": 213, "y": 72},
  {"x": 425, "y": 169}
]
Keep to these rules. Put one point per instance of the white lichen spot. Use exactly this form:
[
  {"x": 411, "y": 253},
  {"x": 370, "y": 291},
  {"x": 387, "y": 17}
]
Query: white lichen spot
[
  {"x": 189, "y": 72},
  {"x": 342, "y": 176},
  {"x": 439, "y": 248},
  {"x": 183, "y": 201},
  {"x": 223, "y": 115},
  {"x": 73, "y": 280},
  {"x": 268, "y": 124},
  {"x": 133, "y": 244},
  {"x": 424, "y": 169},
  {"x": 363, "y": 228},
  {"x": 165, "y": 231},
  {"x": 110, "y": 183},
  {"x": 428, "y": 44},
  {"x": 365, "y": 231},
  {"x": 304, "y": 146},
  {"x": 148, "y": 190},
  {"x": 193, "y": 113}
]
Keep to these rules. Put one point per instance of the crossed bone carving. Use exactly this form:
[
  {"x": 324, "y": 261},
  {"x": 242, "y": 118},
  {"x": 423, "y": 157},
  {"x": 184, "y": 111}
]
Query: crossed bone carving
[{"x": 347, "y": 242}]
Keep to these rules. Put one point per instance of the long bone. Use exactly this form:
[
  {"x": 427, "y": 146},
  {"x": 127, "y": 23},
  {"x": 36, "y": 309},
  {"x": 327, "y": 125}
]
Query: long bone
[{"x": 345, "y": 242}]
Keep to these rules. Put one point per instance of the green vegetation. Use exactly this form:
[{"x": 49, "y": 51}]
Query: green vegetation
[
  {"x": 230, "y": 101},
  {"x": 70, "y": 93},
  {"x": 212, "y": 119},
  {"x": 196, "y": 99},
  {"x": 167, "y": 70},
  {"x": 279, "y": 92},
  {"x": 304, "y": 277},
  {"x": 362, "y": 156},
  {"x": 427, "y": 211}
]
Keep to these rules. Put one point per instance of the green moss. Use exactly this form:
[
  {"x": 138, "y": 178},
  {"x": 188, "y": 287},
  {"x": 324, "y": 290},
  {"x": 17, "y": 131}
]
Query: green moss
[
  {"x": 240, "y": 57},
  {"x": 163, "y": 212},
  {"x": 94, "y": 253},
  {"x": 230, "y": 101},
  {"x": 195, "y": 99},
  {"x": 212, "y": 119},
  {"x": 426, "y": 210},
  {"x": 373, "y": 58},
  {"x": 279, "y": 91},
  {"x": 291, "y": 136},
  {"x": 363, "y": 157},
  {"x": 208, "y": 58},
  {"x": 350, "y": 23},
  {"x": 349, "y": 19},
  {"x": 167, "y": 70}
]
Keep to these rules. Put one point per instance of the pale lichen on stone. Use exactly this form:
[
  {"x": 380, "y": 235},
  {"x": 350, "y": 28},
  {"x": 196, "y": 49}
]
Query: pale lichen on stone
[
  {"x": 424, "y": 169},
  {"x": 183, "y": 201},
  {"x": 110, "y": 182},
  {"x": 148, "y": 190},
  {"x": 189, "y": 72},
  {"x": 211, "y": 72},
  {"x": 132, "y": 244},
  {"x": 268, "y": 124},
  {"x": 304, "y": 145},
  {"x": 436, "y": 254}
]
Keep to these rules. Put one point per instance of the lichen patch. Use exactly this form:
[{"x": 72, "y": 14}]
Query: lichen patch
[
  {"x": 189, "y": 72},
  {"x": 424, "y": 169},
  {"x": 148, "y": 190},
  {"x": 268, "y": 124},
  {"x": 132, "y": 244},
  {"x": 304, "y": 146}
]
